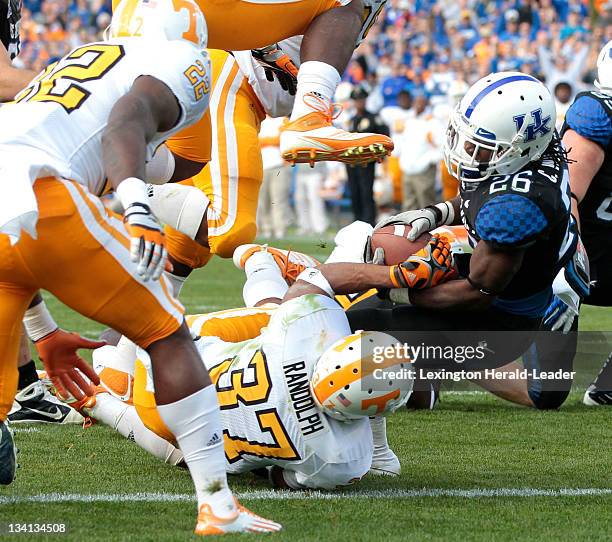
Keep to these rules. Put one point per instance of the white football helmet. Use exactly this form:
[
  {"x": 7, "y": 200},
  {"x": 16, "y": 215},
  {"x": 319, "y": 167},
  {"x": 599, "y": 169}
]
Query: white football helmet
[
  {"x": 355, "y": 378},
  {"x": 504, "y": 121},
  {"x": 160, "y": 19},
  {"x": 604, "y": 69}
]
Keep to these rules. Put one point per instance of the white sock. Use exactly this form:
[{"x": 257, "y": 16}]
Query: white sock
[
  {"x": 177, "y": 283},
  {"x": 314, "y": 76},
  {"x": 264, "y": 279},
  {"x": 378, "y": 425},
  {"x": 124, "y": 419},
  {"x": 195, "y": 421}
]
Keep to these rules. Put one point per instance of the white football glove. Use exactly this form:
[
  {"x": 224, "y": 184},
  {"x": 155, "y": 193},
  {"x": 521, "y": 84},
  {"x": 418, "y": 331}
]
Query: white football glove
[
  {"x": 564, "y": 307},
  {"x": 148, "y": 243},
  {"x": 422, "y": 220},
  {"x": 351, "y": 242}
]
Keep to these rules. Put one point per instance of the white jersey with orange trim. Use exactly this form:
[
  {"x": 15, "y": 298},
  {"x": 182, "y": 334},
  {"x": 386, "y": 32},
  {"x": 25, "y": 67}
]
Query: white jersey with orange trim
[
  {"x": 55, "y": 125},
  {"x": 268, "y": 413}
]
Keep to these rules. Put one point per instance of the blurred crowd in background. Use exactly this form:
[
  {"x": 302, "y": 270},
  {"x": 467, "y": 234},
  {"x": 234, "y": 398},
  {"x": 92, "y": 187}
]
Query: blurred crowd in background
[{"x": 416, "y": 63}]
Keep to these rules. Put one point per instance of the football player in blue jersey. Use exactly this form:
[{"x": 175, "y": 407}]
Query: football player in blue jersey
[
  {"x": 515, "y": 204},
  {"x": 587, "y": 134}
]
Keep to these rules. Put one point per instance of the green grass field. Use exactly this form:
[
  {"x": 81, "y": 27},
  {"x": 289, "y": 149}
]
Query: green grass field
[{"x": 475, "y": 468}]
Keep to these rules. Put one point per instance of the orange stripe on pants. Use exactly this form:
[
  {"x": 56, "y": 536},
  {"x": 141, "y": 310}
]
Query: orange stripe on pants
[{"x": 232, "y": 181}]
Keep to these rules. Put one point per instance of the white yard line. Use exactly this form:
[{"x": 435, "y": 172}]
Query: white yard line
[{"x": 270, "y": 494}]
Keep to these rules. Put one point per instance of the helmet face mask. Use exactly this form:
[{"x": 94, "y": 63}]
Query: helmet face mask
[{"x": 500, "y": 126}]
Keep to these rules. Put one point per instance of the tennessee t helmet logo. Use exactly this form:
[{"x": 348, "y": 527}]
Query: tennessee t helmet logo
[{"x": 538, "y": 126}]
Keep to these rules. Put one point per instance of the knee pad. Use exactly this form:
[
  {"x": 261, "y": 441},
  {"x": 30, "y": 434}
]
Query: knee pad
[
  {"x": 179, "y": 206},
  {"x": 185, "y": 250}
]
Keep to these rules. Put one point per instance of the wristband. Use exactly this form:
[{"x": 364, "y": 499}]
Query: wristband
[
  {"x": 401, "y": 296},
  {"x": 38, "y": 322},
  {"x": 392, "y": 276},
  {"x": 316, "y": 278},
  {"x": 447, "y": 212},
  {"x": 132, "y": 190}
]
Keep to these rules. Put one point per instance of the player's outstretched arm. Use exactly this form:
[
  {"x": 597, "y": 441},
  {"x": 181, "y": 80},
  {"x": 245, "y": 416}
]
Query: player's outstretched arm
[
  {"x": 12, "y": 79},
  {"x": 491, "y": 270},
  {"x": 428, "y": 267}
]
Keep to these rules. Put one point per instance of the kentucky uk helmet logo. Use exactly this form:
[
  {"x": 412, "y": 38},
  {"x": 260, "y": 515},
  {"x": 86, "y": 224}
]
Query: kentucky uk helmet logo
[{"x": 538, "y": 126}]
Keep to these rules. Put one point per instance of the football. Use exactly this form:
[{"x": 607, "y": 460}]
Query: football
[{"x": 394, "y": 240}]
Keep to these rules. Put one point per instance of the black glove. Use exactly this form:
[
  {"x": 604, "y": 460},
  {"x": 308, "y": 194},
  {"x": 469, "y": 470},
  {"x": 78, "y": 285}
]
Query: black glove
[{"x": 277, "y": 64}]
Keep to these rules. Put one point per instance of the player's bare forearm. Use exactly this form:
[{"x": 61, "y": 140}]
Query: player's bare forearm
[
  {"x": 586, "y": 158},
  {"x": 345, "y": 278},
  {"x": 148, "y": 108},
  {"x": 12, "y": 79},
  {"x": 491, "y": 270},
  {"x": 452, "y": 295}
]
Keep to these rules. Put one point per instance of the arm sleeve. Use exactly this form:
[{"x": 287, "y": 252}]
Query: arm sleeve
[
  {"x": 587, "y": 117},
  {"x": 510, "y": 221}
]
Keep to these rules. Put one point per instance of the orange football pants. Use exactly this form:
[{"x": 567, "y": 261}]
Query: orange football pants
[
  {"x": 233, "y": 176},
  {"x": 239, "y": 25},
  {"x": 81, "y": 255},
  {"x": 233, "y": 325},
  {"x": 450, "y": 184}
]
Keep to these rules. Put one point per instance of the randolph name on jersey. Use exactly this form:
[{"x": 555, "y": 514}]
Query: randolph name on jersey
[{"x": 268, "y": 413}]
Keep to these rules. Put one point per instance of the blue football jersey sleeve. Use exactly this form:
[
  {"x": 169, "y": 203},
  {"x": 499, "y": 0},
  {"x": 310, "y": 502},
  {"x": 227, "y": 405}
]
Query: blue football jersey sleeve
[
  {"x": 510, "y": 221},
  {"x": 588, "y": 117}
]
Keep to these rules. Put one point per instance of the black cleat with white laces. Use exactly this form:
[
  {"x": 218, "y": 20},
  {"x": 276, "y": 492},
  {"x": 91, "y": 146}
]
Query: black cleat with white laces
[
  {"x": 35, "y": 404},
  {"x": 596, "y": 397},
  {"x": 8, "y": 455}
]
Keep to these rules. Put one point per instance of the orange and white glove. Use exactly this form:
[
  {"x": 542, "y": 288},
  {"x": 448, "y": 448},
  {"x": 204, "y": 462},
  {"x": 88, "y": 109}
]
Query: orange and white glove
[
  {"x": 148, "y": 243},
  {"x": 58, "y": 352},
  {"x": 428, "y": 267}
]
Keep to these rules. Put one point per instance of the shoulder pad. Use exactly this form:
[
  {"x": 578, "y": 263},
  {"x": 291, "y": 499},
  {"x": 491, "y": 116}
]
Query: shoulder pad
[
  {"x": 510, "y": 221},
  {"x": 588, "y": 117}
]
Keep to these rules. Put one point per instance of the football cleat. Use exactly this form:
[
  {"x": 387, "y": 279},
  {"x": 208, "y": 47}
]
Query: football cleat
[
  {"x": 596, "y": 397},
  {"x": 35, "y": 403},
  {"x": 385, "y": 462},
  {"x": 313, "y": 138},
  {"x": 244, "y": 521},
  {"x": 8, "y": 454},
  {"x": 290, "y": 263}
]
